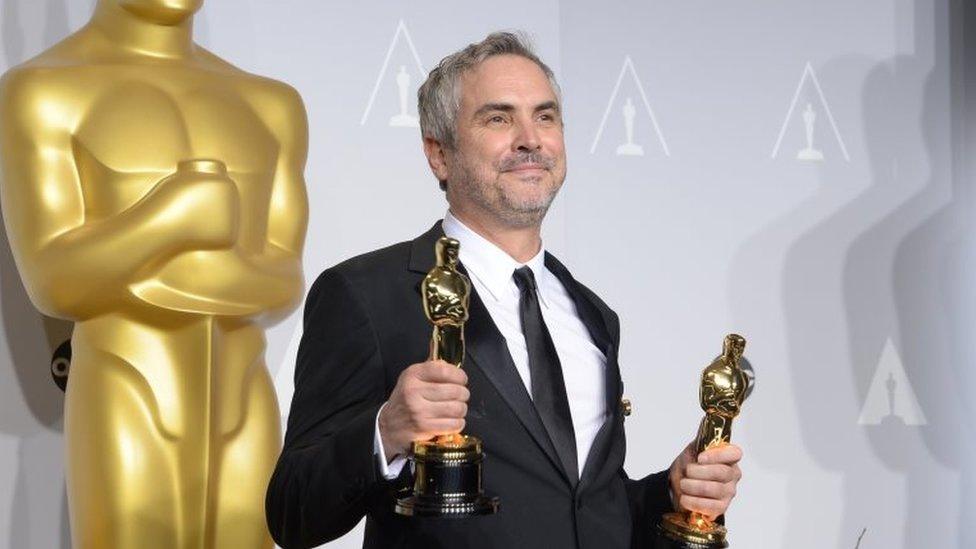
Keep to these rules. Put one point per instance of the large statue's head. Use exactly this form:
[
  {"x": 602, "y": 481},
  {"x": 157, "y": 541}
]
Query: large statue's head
[
  {"x": 492, "y": 126},
  {"x": 163, "y": 12}
]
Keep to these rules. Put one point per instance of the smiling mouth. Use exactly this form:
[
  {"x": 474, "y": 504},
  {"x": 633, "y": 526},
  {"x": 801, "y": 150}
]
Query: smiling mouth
[{"x": 527, "y": 168}]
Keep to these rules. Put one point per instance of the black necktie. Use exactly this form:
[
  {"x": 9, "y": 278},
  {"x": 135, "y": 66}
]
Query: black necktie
[{"x": 548, "y": 386}]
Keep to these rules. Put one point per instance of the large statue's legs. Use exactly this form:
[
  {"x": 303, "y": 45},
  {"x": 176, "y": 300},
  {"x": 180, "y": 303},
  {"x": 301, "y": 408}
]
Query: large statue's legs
[
  {"x": 170, "y": 449},
  {"x": 122, "y": 481},
  {"x": 249, "y": 425},
  {"x": 247, "y": 459}
]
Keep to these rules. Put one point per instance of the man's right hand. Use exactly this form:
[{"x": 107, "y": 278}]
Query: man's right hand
[{"x": 429, "y": 399}]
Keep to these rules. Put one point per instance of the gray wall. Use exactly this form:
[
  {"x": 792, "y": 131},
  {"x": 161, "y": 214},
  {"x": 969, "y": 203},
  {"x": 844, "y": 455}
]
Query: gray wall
[{"x": 851, "y": 276}]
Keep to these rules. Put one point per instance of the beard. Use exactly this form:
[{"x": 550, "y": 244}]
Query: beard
[{"x": 482, "y": 185}]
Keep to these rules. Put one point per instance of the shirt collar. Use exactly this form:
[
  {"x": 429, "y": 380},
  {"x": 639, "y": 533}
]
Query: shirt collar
[{"x": 491, "y": 265}]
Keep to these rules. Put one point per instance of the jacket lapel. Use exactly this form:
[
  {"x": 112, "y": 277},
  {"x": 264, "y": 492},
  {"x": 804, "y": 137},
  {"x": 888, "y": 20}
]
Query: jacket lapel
[
  {"x": 486, "y": 347},
  {"x": 598, "y": 324}
]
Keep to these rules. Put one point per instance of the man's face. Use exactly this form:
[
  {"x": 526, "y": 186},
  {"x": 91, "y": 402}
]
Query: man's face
[
  {"x": 509, "y": 159},
  {"x": 164, "y": 12}
]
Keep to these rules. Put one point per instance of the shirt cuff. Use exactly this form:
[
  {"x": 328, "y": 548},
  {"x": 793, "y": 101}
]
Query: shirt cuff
[{"x": 391, "y": 470}]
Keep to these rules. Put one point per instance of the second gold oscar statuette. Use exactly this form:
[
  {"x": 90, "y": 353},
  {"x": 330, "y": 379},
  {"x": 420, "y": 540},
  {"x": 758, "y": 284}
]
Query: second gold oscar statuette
[{"x": 724, "y": 387}]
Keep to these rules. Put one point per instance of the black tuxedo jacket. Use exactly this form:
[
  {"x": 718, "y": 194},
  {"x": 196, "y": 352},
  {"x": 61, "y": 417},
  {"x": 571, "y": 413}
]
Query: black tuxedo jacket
[{"x": 364, "y": 324}]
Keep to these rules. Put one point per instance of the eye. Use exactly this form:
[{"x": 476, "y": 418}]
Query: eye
[
  {"x": 548, "y": 117},
  {"x": 496, "y": 119}
]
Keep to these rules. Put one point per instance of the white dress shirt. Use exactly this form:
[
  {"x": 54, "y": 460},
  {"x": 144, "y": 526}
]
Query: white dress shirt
[{"x": 583, "y": 364}]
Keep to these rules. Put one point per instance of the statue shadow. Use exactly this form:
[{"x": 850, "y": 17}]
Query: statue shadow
[
  {"x": 934, "y": 269},
  {"x": 31, "y": 405},
  {"x": 879, "y": 242}
]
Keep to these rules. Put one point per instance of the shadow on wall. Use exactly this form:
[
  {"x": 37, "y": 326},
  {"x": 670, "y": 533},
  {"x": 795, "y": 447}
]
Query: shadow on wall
[
  {"x": 31, "y": 405},
  {"x": 934, "y": 279},
  {"x": 882, "y": 246}
]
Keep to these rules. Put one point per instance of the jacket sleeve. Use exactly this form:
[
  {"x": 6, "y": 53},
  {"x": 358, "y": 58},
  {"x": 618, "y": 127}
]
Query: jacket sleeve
[
  {"x": 327, "y": 467},
  {"x": 649, "y": 498}
]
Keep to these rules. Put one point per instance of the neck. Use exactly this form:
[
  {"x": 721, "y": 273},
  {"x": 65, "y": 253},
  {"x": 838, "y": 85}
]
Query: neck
[
  {"x": 521, "y": 243},
  {"x": 132, "y": 32}
]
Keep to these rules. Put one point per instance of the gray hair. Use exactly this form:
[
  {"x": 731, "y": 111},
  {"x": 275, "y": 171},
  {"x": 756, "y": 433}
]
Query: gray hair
[{"x": 439, "y": 98}]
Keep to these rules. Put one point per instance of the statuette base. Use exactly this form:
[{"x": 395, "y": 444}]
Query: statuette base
[
  {"x": 447, "y": 480},
  {"x": 676, "y": 528}
]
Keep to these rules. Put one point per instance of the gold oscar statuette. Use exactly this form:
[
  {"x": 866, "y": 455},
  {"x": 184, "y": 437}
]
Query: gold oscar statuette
[
  {"x": 447, "y": 469},
  {"x": 724, "y": 387},
  {"x": 154, "y": 195}
]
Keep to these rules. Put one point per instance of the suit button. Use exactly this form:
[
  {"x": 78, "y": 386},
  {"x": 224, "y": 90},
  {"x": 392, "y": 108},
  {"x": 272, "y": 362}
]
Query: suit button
[{"x": 626, "y": 406}]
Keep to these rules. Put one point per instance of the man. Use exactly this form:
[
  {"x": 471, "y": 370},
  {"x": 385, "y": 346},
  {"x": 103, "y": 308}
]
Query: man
[{"x": 540, "y": 384}]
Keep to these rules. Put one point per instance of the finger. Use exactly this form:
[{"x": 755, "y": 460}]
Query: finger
[
  {"x": 707, "y": 489},
  {"x": 709, "y": 507},
  {"x": 451, "y": 409},
  {"x": 436, "y": 427},
  {"x": 727, "y": 453},
  {"x": 438, "y": 371},
  {"x": 718, "y": 473},
  {"x": 438, "y": 392}
]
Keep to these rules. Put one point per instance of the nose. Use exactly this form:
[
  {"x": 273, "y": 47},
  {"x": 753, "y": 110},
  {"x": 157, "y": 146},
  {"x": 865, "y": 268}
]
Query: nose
[{"x": 527, "y": 138}]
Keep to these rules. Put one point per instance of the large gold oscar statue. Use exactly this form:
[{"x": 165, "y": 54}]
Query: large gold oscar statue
[{"x": 154, "y": 194}]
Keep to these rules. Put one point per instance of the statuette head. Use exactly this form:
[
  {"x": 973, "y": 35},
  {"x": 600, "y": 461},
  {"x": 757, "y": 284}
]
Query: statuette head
[
  {"x": 446, "y": 250},
  {"x": 724, "y": 383}
]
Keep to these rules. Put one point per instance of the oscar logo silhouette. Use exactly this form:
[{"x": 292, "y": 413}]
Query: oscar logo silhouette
[
  {"x": 809, "y": 153},
  {"x": 724, "y": 386},
  {"x": 154, "y": 195},
  {"x": 403, "y": 119},
  {"x": 629, "y": 148},
  {"x": 447, "y": 469}
]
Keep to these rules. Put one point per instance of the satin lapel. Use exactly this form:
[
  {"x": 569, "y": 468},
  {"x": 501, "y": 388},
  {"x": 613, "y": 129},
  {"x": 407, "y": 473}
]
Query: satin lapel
[
  {"x": 593, "y": 319},
  {"x": 422, "y": 250},
  {"x": 487, "y": 349},
  {"x": 598, "y": 325}
]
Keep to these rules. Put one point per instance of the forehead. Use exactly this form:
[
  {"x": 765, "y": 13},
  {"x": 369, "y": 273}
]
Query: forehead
[{"x": 505, "y": 78}]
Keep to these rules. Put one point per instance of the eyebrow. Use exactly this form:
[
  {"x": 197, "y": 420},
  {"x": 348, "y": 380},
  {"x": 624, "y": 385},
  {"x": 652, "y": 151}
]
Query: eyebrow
[
  {"x": 508, "y": 107},
  {"x": 548, "y": 105}
]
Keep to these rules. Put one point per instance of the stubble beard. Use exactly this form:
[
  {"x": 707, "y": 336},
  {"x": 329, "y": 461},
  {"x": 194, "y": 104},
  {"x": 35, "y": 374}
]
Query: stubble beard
[{"x": 483, "y": 187}]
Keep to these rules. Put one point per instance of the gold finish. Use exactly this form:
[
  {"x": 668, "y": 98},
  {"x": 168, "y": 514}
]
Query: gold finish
[
  {"x": 723, "y": 389},
  {"x": 154, "y": 194},
  {"x": 626, "y": 407},
  {"x": 465, "y": 448},
  {"x": 446, "y": 293}
]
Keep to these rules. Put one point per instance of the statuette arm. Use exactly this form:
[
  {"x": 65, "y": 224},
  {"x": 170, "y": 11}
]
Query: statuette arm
[
  {"x": 74, "y": 265},
  {"x": 288, "y": 211}
]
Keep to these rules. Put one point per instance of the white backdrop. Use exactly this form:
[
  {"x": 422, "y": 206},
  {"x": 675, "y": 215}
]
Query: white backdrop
[{"x": 851, "y": 274}]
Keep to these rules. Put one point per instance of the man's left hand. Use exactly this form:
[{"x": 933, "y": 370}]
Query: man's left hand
[{"x": 707, "y": 484}]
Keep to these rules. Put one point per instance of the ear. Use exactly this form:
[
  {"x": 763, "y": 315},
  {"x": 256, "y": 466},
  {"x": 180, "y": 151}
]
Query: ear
[{"x": 437, "y": 158}]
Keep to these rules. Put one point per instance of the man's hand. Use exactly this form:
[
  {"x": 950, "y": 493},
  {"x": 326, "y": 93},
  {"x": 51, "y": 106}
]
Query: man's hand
[
  {"x": 429, "y": 399},
  {"x": 706, "y": 485}
]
